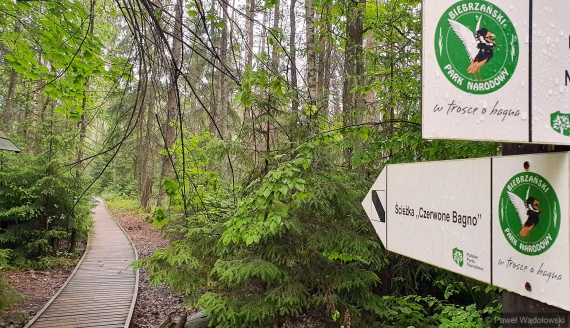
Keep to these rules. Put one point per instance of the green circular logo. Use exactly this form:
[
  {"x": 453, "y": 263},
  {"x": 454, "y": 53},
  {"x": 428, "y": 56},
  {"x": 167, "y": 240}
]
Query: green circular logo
[
  {"x": 476, "y": 46},
  {"x": 529, "y": 213}
]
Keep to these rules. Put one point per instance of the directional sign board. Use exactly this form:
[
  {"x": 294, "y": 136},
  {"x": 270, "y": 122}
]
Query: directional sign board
[
  {"x": 501, "y": 220},
  {"x": 496, "y": 70}
]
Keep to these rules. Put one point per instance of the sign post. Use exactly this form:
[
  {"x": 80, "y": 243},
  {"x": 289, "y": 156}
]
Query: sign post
[
  {"x": 496, "y": 70},
  {"x": 500, "y": 220}
]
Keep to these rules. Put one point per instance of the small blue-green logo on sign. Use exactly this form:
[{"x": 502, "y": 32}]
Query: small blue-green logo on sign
[
  {"x": 560, "y": 122},
  {"x": 458, "y": 256}
]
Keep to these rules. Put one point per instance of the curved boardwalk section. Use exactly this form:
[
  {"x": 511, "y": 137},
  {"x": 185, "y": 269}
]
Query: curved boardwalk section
[{"x": 102, "y": 290}]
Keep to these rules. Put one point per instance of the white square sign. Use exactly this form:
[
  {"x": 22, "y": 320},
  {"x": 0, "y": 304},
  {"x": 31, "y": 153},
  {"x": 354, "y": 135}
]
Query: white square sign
[
  {"x": 496, "y": 71},
  {"x": 530, "y": 226}
]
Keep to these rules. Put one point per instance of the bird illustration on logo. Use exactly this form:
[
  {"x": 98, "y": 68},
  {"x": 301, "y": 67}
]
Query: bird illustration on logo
[
  {"x": 479, "y": 45},
  {"x": 528, "y": 228},
  {"x": 528, "y": 211}
]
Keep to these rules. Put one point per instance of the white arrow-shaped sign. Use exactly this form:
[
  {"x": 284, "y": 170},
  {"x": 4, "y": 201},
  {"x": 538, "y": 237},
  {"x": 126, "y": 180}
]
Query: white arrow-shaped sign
[
  {"x": 374, "y": 204},
  {"x": 501, "y": 220}
]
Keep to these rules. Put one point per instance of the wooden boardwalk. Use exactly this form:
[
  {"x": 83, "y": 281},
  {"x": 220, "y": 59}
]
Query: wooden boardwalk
[{"x": 101, "y": 292}]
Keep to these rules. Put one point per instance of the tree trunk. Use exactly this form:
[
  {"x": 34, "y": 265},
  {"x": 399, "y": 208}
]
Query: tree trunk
[
  {"x": 140, "y": 153},
  {"x": 311, "y": 53},
  {"x": 263, "y": 35},
  {"x": 82, "y": 127},
  {"x": 143, "y": 158},
  {"x": 250, "y": 16},
  {"x": 172, "y": 100},
  {"x": 275, "y": 66},
  {"x": 249, "y": 27},
  {"x": 82, "y": 123},
  {"x": 353, "y": 66},
  {"x": 224, "y": 93},
  {"x": 353, "y": 63},
  {"x": 324, "y": 70},
  {"x": 276, "y": 18},
  {"x": 293, "y": 54},
  {"x": 6, "y": 117}
]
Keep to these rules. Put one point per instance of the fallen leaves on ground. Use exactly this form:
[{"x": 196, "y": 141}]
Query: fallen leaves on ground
[
  {"x": 154, "y": 304},
  {"x": 37, "y": 287}
]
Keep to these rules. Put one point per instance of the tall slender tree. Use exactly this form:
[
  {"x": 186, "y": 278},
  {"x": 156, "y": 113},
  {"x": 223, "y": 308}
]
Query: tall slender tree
[
  {"x": 172, "y": 103},
  {"x": 293, "y": 53},
  {"x": 353, "y": 66},
  {"x": 311, "y": 51}
]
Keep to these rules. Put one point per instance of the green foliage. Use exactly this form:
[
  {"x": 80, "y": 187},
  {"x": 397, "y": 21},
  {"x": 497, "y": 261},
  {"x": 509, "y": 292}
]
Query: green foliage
[
  {"x": 422, "y": 311},
  {"x": 336, "y": 316},
  {"x": 262, "y": 88},
  {"x": 465, "y": 317},
  {"x": 118, "y": 203},
  {"x": 264, "y": 211},
  {"x": 159, "y": 217},
  {"x": 60, "y": 259},
  {"x": 70, "y": 54},
  {"x": 294, "y": 243},
  {"x": 115, "y": 183},
  {"x": 4, "y": 257},
  {"x": 37, "y": 211},
  {"x": 8, "y": 295},
  {"x": 291, "y": 238}
]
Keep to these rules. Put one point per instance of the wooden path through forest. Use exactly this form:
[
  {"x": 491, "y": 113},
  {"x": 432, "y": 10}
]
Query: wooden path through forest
[{"x": 102, "y": 291}]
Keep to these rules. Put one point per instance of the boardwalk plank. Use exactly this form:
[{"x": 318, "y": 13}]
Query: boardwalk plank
[
  {"x": 62, "y": 311},
  {"x": 61, "y": 317},
  {"x": 85, "y": 318},
  {"x": 78, "y": 323}
]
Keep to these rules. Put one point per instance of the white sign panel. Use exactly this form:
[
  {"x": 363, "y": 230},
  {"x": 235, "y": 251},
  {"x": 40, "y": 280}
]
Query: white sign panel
[
  {"x": 551, "y": 72},
  {"x": 478, "y": 80},
  {"x": 501, "y": 220},
  {"x": 531, "y": 248},
  {"x": 434, "y": 206}
]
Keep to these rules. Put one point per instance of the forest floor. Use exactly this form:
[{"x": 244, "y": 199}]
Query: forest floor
[
  {"x": 154, "y": 303},
  {"x": 35, "y": 287},
  {"x": 153, "y": 306}
]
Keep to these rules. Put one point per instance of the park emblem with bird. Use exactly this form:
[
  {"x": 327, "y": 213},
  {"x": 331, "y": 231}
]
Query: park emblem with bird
[
  {"x": 476, "y": 46},
  {"x": 529, "y": 213}
]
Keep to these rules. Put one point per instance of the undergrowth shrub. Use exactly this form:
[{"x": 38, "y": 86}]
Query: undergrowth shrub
[
  {"x": 8, "y": 295},
  {"x": 39, "y": 215},
  {"x": 296, "y": 241},
  {"x": 289, "y": 242}
]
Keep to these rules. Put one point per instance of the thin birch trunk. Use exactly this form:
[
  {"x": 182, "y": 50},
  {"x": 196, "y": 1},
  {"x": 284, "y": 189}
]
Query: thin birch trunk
[
  {"x": 224, "y": 94},
  {"x": 276, "y": 18},
  {"x": 6, "y": 116},
  {"x": 311, "y": 53},
  {"x": 293, "y": 54}
]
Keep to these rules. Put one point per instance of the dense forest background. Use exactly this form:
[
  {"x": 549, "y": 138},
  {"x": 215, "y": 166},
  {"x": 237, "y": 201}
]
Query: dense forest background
[{"x": 250, "y": 132}]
